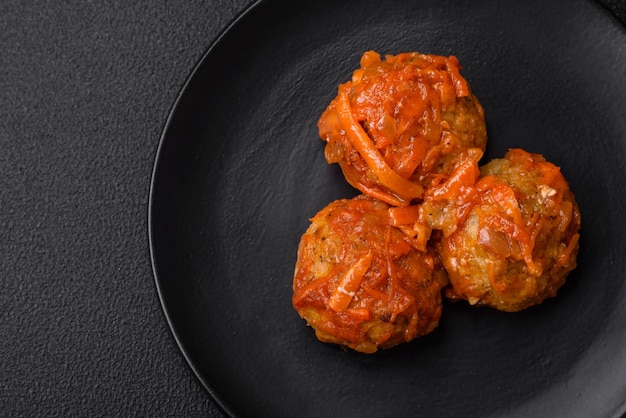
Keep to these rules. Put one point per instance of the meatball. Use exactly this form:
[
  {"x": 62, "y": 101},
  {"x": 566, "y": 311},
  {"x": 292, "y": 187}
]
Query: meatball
[
  {"x": 400, "y": 122},
  {"x": 360, "y": 282},
  {"x": 517, "y": 236}
]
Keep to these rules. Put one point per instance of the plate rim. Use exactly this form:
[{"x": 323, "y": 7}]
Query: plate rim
[{"x": 157, "y": 162}]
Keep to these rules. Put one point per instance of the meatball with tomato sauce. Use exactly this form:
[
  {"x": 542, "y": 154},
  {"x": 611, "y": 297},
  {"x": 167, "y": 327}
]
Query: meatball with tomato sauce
[
  {"x": 516, "y": 238},
  {"x": 360, "y": 282},
  {"x": 401, "y": 122}
]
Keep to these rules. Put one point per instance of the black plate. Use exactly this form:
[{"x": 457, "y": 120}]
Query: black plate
[{"x": 240, "y": 169}]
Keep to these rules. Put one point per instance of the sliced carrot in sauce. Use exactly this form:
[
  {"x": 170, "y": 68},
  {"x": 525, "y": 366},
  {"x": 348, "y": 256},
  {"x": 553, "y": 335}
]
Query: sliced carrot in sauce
[
  {"x": 405, "y": 190},
  {"x": 349, "y": 283}
]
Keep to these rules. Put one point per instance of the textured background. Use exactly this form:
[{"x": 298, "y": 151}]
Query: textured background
[{"x": 85, "y": 89}]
